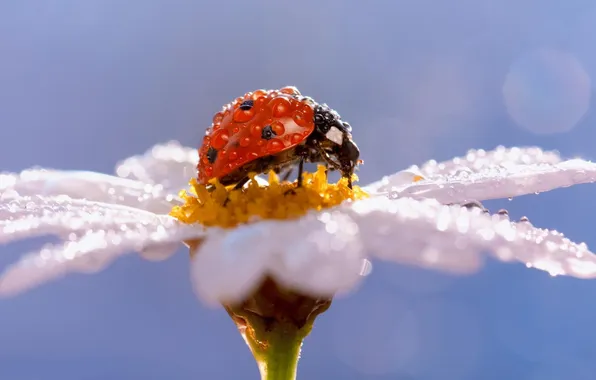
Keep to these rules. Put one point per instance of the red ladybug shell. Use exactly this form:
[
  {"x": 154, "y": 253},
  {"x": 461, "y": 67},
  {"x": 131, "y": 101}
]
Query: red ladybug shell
[{"x": 236, "y": 136}]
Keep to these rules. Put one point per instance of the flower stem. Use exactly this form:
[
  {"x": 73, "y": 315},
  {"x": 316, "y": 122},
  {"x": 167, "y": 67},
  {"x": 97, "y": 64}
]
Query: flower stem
[
  {"x": 278, "y": 354},
  {"x": 273, "y": 322}
]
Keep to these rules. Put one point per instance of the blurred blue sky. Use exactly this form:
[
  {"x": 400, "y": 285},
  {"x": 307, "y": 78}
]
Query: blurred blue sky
[{"x": 84, "y": 84}]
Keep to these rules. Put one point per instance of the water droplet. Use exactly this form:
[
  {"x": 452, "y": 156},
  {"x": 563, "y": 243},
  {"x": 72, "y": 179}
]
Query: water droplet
[
  {"x": 218, "y": 117},
  {"x": 280, "y": 107},
  {"x": 274, "y": 146},
  {"x": 290, "y": 90},
  {"x": 242, "y": 116},
  {"x": 296, "y": 138},
  {"x": 256, "y": 130},
  {"x": 278, "y": 128},
  {"x": 245, "y": 141},
  {"x": 220, "y": 139},
  {"x": 299, "y": 118}
]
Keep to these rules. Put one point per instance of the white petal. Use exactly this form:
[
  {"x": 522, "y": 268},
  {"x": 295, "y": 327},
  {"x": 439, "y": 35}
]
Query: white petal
[
  {"x": 319, "y": 254},
  {"x": 474, "y": 161},
  {"x": 323, "y": 253},
  {"x": 94, "y": 238},
  {"x": 477, "y": 160},
  {"x": 452, "y": 238},
  {"x": 326, "y": 258},
  {"x": 228, "y": 265},
  {"x": 504, "y": 182},
  {"x": 169, "y": 165},
  {"x": 85, "y": 185},
  {"x": 26, "y": 217},
  {"x": 412, "y": 232}
]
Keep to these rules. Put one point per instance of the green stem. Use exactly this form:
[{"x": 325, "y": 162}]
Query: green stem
[{"x": 277, "y": 350}]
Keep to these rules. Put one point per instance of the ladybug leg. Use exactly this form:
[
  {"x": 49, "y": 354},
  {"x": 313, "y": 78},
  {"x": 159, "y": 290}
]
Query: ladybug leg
[
  {"x": 300, "y": 172},
  {"x": 238, "y": 186},
  {"x": 241, "y": 183}
]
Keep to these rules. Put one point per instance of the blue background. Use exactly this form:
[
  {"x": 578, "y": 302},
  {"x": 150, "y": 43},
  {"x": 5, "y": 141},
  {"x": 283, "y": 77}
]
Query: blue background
[{"x": 84, "y": 84}]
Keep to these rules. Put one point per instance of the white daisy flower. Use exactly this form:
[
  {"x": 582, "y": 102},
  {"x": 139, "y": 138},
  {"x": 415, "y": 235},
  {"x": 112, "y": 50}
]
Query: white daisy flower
[
  {"x": 274, "y": 259},
  {"x": 405, "y": 219}
]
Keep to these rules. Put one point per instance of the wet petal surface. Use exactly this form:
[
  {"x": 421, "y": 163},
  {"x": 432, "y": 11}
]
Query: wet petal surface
[
  {"x": 318, "y": 254},
  {"x": 323, "y": 253},
  {"x": 94, "y": 234},
  {"x": 85, "y": 185},
  {"x": 452, "y": 238},
  {"x": 475, "y": 161},
  {"x": 502, "y": 182},
  {"x": 169, "y": 165}
]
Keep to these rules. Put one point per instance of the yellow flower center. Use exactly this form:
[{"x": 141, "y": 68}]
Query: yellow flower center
[{"x": 217, "y": 205}]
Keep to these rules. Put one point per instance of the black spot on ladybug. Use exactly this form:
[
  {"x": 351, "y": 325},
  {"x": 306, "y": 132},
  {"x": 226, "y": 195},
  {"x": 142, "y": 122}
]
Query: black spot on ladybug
[
  {"x": 212, "y": 154},
  {"x": 246, "y": 105},
  {"x": 267, "y": 133}
]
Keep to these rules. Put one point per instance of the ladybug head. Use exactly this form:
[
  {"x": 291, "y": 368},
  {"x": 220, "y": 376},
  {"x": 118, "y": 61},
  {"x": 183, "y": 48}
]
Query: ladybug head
[{"x": 335, "y": 140}]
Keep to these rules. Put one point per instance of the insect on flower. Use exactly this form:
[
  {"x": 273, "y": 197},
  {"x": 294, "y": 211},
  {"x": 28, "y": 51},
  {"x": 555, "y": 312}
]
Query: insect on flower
[{"x": 274, "y": 130}]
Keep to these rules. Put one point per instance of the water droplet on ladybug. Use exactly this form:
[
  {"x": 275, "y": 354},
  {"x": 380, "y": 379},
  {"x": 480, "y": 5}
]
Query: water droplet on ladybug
[
  {"x": 242, "y": 116},
  {"x": 220, "y": 139},
  {"x": 256, "y": 130},
  {"x": 299, "y": 118},
  {"x": 296, "y": 138},
  {"x": 290, "y": 90},
  {"x": 233, "y": 155},
  {"x": 278, "y": 128},
  {"x": 280, "y": 107},
  {"x": 244, "y": 142},
  {"x": 258, "y": 94},
  {"x": 218, "y": 117},
  {"x": 274, "y": 146}
]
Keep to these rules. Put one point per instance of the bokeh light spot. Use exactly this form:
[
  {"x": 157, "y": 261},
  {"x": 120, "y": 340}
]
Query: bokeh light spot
[{"x": 547, "y": 91}]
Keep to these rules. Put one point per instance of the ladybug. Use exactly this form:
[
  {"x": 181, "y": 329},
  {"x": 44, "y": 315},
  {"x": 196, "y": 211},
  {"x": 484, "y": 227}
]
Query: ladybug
[{"x": 275, "y": 130}]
